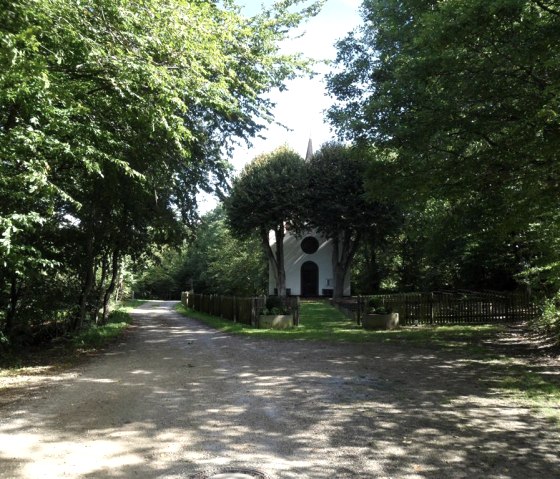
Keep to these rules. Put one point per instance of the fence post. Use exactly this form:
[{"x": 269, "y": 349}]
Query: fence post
[
  {"x": 296, "y": 311},
  {"x": 431, "y": 308},
  {"x": 359, "y": 311},
  {"x": 253, "y": 312}
]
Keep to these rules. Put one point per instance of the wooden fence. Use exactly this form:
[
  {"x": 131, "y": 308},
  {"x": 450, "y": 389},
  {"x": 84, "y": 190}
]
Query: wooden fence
[
  {"x": 234, "y": 308},
  {"x": 450, "y": 307}
]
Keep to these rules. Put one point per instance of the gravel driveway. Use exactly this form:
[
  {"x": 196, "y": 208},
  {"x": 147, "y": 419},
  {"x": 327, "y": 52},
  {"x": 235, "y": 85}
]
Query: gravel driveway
[{"x": 176, "y": 399}]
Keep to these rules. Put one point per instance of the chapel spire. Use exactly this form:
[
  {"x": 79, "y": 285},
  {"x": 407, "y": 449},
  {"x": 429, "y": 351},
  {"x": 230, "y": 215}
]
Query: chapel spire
[{"x": 309, "y": 153}]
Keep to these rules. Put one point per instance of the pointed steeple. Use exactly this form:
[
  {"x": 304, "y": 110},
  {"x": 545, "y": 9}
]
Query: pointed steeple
[{"x": 309, "y": 153}]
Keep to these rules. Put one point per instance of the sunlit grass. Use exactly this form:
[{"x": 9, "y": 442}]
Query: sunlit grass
[
  {"x": 97, "y": 336},
  {"x": 319, "y": 321},
  {"x": 529, "y": 387}
]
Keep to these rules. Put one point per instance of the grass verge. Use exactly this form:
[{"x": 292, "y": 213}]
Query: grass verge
[
  {"x": 319, "y": 321},
  {"x": 67, "y": 351},
  {"x": 532, "y": 388},
  {"x": 96, "y": 337}
]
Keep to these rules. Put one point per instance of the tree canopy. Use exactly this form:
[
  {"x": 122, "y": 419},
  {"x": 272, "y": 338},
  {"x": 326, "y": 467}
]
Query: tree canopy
[
  {"x": 459, "y": 103},
  {"x": 214, "y": 262},
  {"x": 337, "y": 206},
  {"x": 113, "y": 115},
  {"x": 268, "y": 196}
]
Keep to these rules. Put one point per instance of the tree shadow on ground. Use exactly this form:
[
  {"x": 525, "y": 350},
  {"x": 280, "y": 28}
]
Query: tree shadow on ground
[{"x": 178, "y": 399}]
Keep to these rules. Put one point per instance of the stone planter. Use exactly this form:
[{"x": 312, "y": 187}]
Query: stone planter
[
  {"x": 276, "y": 321},
  {"x": 380, "y": 321}
]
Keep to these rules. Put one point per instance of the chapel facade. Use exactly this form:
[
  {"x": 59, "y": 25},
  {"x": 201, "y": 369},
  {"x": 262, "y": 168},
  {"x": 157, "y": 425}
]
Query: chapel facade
[
  {"x": 307, "y": 262},
  {"x": 308, "y": 265}
]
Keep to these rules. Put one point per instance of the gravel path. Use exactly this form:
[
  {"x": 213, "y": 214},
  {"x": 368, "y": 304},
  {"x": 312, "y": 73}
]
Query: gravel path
[{"x": 176, "y": 399}]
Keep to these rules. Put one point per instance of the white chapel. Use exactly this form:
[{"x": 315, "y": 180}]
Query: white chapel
[{"x": 307, "y": 262}]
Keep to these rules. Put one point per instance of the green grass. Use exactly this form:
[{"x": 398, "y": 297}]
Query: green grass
[
  {"x": 128, "y": 305},
  {"x": 96, "y": 337},
  {"x": 67, "y": 351},
  {"x": 319, "y": 321},
  {"x": 536, "y": 390}
]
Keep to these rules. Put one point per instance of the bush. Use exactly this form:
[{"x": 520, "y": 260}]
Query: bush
[
  {"x": 376, "y": 306},
  {"x": 275, "y": 305},
  {"x": 549, "y": 321}
]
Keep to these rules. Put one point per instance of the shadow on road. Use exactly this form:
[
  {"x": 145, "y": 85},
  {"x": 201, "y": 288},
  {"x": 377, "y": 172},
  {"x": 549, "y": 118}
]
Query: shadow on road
[{"x": 177, "y": 398}]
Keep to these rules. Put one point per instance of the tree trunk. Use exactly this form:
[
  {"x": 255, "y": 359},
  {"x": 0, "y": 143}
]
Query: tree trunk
[
  {"x": 88, "y": 284},
  {"x": 338, "y": 278},
  {"x": 281, "y": 278},
  {"x": 12, "y": 309},
  {"x": 114, "y": 275},
  {"x": 276, "y": 261},
  {"x": 99, "y": 302},
  {"x": 120, "y": 285},
  {"x": 344, "y": 248}
]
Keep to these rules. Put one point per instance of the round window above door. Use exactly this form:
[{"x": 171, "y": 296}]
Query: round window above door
[{"x": 309, "y": 245}]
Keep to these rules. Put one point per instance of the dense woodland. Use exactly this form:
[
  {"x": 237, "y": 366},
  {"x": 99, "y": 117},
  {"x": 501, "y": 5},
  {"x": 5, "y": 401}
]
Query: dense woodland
[{"x": 113, "y": 116}]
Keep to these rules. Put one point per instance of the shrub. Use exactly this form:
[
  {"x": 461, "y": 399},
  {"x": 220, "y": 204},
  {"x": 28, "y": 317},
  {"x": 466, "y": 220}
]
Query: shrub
[
  {"x": 549, "y": 321},
  {"x": 376, "y": 306},
  {"x": 275, "y": 305}
]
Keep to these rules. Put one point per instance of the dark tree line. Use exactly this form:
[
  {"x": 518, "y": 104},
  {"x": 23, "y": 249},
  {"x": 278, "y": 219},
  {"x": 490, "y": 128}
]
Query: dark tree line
[{"x": 458, "y": 104}]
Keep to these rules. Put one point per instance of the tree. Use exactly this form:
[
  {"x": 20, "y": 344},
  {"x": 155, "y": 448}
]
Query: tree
[
  {"x": 461, "y": 99},
  {"x": 220, "y": 263},
  {"x": 213, "y": 262},
  {"x": 268, "y": 196},
  {"x": 338, "y": 208},
  {"x": 113, "y": 114}
]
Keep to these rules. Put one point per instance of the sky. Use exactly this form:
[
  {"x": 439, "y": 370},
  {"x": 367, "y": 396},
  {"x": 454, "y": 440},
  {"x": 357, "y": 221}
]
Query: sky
[{"x": 302, "y": 106}]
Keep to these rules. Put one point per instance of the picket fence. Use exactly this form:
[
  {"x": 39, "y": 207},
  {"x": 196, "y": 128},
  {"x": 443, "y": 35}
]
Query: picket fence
[
  {"x": 450, "y": 307},
  {"x": 245, "y": 310}
]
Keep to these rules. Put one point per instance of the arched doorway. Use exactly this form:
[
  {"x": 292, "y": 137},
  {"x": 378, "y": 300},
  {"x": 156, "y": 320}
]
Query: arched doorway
[{"x": 309, "y": 279}]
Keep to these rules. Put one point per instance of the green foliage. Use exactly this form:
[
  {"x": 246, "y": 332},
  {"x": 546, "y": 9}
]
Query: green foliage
[
  {"x": 338, "y": 207},
  {"x": 336, "y": 203},
  {"x": 460, "y": 99},
  {"x": 276, "y": 305},
  {"x": 160, "y": 275},
  {"x": 225, "y": 263},
  {"x": 549, "y": 321},
  {"x": 376, "y": 306},
  {"x": 267, "y": 196},
  {"x": 113, "y": 114},
  {"x": 96, "y": 337},
  {"x": 214, "y": 262}
]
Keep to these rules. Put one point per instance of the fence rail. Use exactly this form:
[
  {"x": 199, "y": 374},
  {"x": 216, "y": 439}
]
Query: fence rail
[
  {"x": 245, "y": 310},
  {"x": 450, "y": 307}
]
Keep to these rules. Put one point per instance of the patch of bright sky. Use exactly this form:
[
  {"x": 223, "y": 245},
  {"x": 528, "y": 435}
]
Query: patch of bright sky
[{"x": 302, "y": 106}]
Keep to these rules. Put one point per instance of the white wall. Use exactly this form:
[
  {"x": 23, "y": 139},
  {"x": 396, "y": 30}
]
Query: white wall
[{"x": 294, "y": 257}]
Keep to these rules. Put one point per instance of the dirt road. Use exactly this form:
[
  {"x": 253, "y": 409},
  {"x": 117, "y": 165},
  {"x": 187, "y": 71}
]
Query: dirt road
[{"x": 176, "y": 399}]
